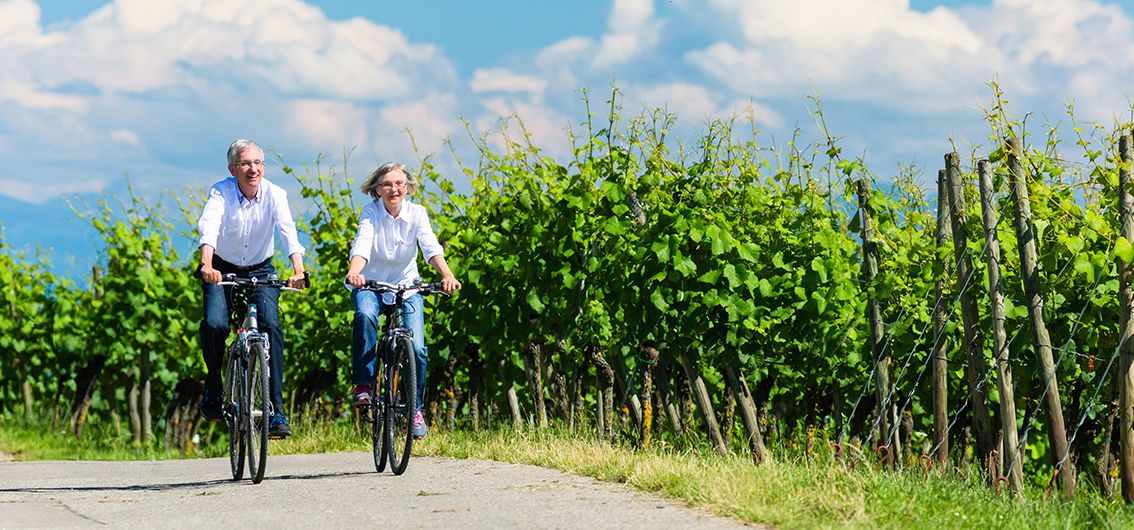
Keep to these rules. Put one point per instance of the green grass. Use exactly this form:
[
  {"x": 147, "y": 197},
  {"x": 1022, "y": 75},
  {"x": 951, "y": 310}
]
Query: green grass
[{"x": 790, "y": 491}]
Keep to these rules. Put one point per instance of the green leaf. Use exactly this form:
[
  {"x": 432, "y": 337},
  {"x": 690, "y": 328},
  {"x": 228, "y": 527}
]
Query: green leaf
[
  {"x": 765, "y": 287},
  {"x": 534, "y": 301},
  {"x": 1124, "y": 250}
]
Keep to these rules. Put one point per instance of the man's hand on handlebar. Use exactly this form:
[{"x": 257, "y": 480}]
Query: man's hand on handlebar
[
  {"x": 210, "y": 275},
  {"x": 298, "y": 281}
]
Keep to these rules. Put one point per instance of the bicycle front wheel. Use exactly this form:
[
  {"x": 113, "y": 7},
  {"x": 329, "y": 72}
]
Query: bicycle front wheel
[
  {"x": 259, "y": 412},
  {"x": 233, "y": 391},
  {"x": 401, "y": 403},
  {"x": 377, "y": 413}
]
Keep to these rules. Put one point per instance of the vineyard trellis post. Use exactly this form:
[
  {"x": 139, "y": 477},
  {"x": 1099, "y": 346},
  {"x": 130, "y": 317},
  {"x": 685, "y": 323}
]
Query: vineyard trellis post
[
  {"x": 876, "y": 342},
  {"x": 739, "y": 387},
  {"x": 1013, "y": 468},
  {"x": 974, "y": 353},
  {"x": 533, "y": 366},
  {"x": 704, "y": 403},
  {"x": 940, "y": 319},
  {"x": 1029, "y": 271},
  {"x": 1126, "y": 324}
]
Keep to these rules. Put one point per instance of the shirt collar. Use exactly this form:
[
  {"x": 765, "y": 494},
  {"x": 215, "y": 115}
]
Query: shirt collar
[
  {"x": 253, "y": 200},
  {"x": 385, "y": 214}
]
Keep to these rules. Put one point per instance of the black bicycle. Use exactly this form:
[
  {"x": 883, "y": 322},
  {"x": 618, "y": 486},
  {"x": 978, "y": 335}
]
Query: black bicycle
[
  {"x": 247, "y": 403},
  {"x": 391, "y": 411}
]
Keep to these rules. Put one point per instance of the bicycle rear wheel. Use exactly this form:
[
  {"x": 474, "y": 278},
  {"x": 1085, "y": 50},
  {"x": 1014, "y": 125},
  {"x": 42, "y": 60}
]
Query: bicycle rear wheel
[
  {"x": 233, "y": 389},
  {"x": 259, "y": 412},
  {"x": 378, "y": 414},
  {"x": 401, "y": 403}
]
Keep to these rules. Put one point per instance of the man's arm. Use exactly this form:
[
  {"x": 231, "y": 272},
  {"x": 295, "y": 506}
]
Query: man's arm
[
  {"x": 298, "y": 280},
  {"x": 208, "y": 273}
]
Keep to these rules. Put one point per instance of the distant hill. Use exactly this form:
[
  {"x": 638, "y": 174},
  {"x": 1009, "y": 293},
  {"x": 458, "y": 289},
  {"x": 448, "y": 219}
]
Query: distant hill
[{"x": 69, "y": 243}]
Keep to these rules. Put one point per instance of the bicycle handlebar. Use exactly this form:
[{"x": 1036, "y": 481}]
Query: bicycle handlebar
[
  {"x": 233, "y": 280},
  {"x": 418, "y": 288}
]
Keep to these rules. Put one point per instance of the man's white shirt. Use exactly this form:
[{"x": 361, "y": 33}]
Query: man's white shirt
[{"x": 240, "y": 230}]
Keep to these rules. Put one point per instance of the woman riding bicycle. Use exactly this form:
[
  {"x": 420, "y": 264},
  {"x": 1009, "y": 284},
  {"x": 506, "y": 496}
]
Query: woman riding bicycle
[{"x": 390, "y": 231}]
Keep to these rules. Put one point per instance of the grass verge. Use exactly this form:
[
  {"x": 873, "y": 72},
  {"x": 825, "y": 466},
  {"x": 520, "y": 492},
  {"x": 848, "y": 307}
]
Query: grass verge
[{"x": 791, "y": 491}]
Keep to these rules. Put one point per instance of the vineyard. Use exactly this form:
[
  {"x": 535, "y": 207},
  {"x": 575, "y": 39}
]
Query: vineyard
[{"x": 720, "y": 293}]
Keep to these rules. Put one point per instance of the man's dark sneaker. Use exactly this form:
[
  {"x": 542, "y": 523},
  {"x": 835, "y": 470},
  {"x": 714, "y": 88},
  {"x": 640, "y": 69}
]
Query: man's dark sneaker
[
  {"x": 278, "y": 427},
  {"x": 211, "y": 406}
]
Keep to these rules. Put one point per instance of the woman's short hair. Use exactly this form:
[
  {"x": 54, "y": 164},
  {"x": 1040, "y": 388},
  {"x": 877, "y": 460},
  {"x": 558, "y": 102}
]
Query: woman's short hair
[
  {"x": 239, "y": 146},
  {"x": 370, "y": 186}
]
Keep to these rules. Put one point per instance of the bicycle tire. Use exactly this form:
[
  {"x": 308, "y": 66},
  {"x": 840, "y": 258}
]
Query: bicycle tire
[
  {"x": 378, "y": 415},
  {"x": 231, "y": 398},
  {"x": 258, "y": 413},
  {"x": 401, "y": 403}
]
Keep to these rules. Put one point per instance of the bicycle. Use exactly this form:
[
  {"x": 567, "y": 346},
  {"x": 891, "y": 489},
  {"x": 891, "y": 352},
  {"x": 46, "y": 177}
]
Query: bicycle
[
  {"x": 391, "y": 411},
  {"x": 247, "y": 404}
]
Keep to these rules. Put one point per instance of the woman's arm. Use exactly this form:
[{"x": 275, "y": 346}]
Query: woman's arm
[{"x": 449, "y": 282}]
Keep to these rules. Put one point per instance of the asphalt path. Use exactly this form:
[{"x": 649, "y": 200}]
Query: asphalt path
[{"x": 335, "y": 490}]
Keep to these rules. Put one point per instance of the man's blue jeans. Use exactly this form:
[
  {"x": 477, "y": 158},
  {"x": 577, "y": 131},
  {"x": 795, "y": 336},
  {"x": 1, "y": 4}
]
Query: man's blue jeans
[
  {"x": 215, "y": 327},
  {"x": 367, "y": 308}
]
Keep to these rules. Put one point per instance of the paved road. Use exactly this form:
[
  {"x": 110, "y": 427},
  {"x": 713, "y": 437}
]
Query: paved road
[{"x": 326, "y": 490}]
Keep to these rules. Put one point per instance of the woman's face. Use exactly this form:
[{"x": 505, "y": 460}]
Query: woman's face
[{"x": 392, "y": 190}]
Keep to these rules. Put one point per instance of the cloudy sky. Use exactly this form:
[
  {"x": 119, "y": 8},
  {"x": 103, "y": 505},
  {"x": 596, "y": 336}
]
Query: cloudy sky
[{"x": 95, "y": 92}]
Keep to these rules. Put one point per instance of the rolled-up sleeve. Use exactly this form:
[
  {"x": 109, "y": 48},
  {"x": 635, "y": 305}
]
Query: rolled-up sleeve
[
  {"x": 208, "y": 225},
  {"x": 426, "y": 239},
  {"x": 286, "y": 224},
  {"x": 364, "y": 237}
]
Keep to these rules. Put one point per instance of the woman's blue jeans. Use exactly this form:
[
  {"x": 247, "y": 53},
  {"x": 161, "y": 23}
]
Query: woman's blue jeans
[{"x": 367, "y": 308}]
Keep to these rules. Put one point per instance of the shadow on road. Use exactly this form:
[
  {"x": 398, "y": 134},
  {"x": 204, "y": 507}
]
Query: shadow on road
[{"x": 183, "y": 485}]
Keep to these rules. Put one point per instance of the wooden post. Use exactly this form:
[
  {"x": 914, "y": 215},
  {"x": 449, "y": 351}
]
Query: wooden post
[
  {"x": 1029, "y": 271},
  {"x": 604, "y": 376},
  {"x": 533, "y": 366},
  {"x": 876, "y": 341},
  {"x": 701, "y": 394},
  {"x": 1126, "y": 327},
  {"x": 647, "y": 360},
  {"x": 747, "y": 406},
  {"x": 975, "y": 365},
  {"x": 1014, "y": 469},
  {"x": 940, "y": 319},
  {"x": 668, "y": 399}
]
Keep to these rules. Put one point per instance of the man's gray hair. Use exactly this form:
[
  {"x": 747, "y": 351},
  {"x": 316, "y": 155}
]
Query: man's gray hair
[{"x": 240, "y": 146}]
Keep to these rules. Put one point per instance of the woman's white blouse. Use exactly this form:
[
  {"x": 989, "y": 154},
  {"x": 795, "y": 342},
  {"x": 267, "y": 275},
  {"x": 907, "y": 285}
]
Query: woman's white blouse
[{"x": 390, "y": 244}]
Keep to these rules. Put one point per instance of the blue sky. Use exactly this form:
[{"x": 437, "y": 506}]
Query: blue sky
[{"x": 93, "y": 92}]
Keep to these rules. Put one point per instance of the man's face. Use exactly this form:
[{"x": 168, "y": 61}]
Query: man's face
[{"x": 249, "y": 168}]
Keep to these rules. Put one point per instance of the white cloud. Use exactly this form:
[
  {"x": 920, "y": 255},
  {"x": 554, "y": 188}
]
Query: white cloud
[
  {"x": 35, "y": 192},
  {"x": 632, "y": 31},
  {"x": 431, "y": 119},
  {"x": 502, "y": 80},
  {"x": 180, "y": 77},
  {"x": 28, "y": 95},
  {"x": 889, "y": 54},
  {"x": 124, "y": 136}
]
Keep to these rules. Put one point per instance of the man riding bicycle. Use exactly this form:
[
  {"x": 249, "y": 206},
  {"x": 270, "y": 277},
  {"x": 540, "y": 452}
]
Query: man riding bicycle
[{"x": 237, "y": 237}]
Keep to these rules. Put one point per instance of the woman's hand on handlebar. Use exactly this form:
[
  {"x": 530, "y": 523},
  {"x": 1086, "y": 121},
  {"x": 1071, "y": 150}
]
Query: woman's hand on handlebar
[
  {"x": 449, "y": 284},
  {"x": 356, "y": 280}
]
